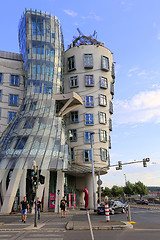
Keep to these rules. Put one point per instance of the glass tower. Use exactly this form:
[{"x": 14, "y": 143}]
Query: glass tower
[{"x": 37, "y": 133}]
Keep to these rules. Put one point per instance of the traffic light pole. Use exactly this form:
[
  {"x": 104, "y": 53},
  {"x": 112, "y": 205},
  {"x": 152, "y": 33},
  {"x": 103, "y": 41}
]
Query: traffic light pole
[
  {"x": 35, "y": 216},
  {"x": 119, "y": 167}
]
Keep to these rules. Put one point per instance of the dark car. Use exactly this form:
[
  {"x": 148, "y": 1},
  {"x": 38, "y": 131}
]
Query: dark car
[
  {"x": 114, "y": 207},
  {"x": 142, "y": 201}
]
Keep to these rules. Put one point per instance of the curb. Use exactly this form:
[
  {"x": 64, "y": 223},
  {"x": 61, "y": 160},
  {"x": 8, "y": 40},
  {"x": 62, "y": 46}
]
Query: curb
[{"x": 70, "y": 226}]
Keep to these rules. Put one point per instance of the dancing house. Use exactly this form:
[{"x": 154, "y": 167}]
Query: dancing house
[{"x": 67, "y": 96}]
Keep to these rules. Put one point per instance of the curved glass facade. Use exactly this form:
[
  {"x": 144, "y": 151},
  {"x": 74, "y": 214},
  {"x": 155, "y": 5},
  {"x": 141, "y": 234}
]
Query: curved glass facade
[{"x": 38, "y": 133}]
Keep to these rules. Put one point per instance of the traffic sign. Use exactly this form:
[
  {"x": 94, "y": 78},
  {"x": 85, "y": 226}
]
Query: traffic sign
[{"x": 99, "y": 182}]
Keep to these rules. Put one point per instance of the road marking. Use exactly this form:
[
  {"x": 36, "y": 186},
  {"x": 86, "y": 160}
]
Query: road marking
[
  {"x": 53, "y": 238},
  {"x": 147, "y": 230},
  {"x": 5, "y": 236}
]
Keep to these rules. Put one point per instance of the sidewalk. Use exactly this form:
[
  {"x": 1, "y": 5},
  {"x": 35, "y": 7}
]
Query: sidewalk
[{"x": 74, "y": 220}]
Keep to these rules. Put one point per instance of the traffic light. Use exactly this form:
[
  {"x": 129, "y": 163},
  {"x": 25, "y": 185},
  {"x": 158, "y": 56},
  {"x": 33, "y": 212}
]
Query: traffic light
[
  {"x": 145, "y": 160},
  {"x": 34, "y": 180},
  {"x": 119, "y": 166},
  {"x": 41, "y": 179}
]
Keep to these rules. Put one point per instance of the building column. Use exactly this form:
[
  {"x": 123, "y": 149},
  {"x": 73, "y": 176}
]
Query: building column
[
  {"x": 45, "y": 186},
  {"x": 59, "y": 186},
  {"x": 89, "y": 186},
  {"x": 46, "y": 192},
  {"x": 22, "y": 192},
  {"x": 3, "y": 185},
  {"x": 11, "y": 191}
]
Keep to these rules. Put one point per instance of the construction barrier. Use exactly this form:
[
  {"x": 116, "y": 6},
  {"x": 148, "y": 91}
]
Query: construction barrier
[{"x": 107, "y": 212}]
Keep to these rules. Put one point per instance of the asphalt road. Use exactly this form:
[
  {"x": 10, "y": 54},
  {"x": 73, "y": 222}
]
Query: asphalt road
[{"x": 147, "y": 227}]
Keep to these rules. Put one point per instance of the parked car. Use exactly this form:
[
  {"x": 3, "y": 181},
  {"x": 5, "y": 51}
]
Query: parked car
[
  {"x": 142, "y": 201},
  {"x": 114, "y": 207}
]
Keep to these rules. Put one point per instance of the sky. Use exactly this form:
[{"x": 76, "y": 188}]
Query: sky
[{"x": 131, "y": 30}]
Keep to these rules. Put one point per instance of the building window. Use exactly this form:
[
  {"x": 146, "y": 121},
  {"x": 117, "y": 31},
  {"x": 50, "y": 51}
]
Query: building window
[
  {"x": 109, "y": 142},
  {"x": 87, "y": 137},
  {"x": 103, "y": 82},
  {"x": 37, "y": 26},
  {"x": 87, "y": 156},
  {"x": 33, "y": 106},
  {"x": 102, "y": 100},
  {"x": 72, "y": 135},
  {"x": 74, "y": 117},
  {"x": 103, "y": 135},
  {"x": 88, "y": 61},
  {"x": 14, "y": 80},
  {"x": 72, "y": 154},
  {"x": 74, "y": 82},
  {"x": 111, "y": 107},
  {"x": 89, "y": 82},
  {"x": 0, "y": 95},
  {"x": 105, "y": 63},
  {"x": 110, "y": 124},
  {"x": 11, "y": 115},
  {"x": 21, "y": 142},
  {"x": 102, "y": 118},
  {"x": 89, "y": 101},
  {"x": 89, "y": 120},
  {"x": 1, "y": 78},
  {"x": 112, "y": 88},
  {"x": 13, "y": 99},
  {"x": 103, "y": 153},
  {"x": 29, "y": 123},
  {"x": 71, "y": 63}
]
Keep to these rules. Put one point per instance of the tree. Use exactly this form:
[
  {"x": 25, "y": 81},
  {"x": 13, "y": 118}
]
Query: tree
[
  {"x": 140, "y": 188},
  {"x": 116, "y": 191},
  {"x": 106, "y": 192},
  {"x": 129, "y": 189}
]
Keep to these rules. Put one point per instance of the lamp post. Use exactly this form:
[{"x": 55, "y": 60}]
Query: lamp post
[
  {"x": 93, "y": 175},
  {"x": 125, "y": 179}
]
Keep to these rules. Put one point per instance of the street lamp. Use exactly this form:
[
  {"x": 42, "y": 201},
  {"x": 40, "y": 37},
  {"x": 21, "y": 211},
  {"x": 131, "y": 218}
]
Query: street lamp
[
  {"x": 93, "y": 175},
  {"x": 125, "y": 179}
]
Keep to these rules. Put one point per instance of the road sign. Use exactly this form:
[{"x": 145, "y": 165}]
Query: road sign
[{"x": 99, "y": 182}]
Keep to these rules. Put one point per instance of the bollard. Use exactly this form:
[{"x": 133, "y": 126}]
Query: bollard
[
  {"x": 128, "y": 213},
  {"x": 107, "y": 213}
]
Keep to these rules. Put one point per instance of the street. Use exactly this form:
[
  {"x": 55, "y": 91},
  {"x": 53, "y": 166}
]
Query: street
[{"x": 52, "y": 226}]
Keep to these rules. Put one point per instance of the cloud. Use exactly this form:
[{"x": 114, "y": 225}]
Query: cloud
[
  {"x": 92, "y": 15},
  {"x": 143, "y": 74},
  {"x": 141, "y": 108},
  {"x": 70, "y": 12}
]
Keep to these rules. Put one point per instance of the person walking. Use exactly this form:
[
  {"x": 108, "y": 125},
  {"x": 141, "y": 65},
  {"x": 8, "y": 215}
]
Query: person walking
[
  {"x": 39, "y": 207},
  {"x": 63, "y": 207},
  {"x": 24, "y": 209}
]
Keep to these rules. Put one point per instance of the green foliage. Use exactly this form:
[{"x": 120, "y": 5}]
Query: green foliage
[
  {"x": 129, "y": 189},
  {"x": 106, "y": 192},
  {"x": 116, "y": 191},
  {"x": 140, "y": 188}
]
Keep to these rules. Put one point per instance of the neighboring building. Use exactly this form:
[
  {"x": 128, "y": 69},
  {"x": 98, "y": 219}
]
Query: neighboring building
[
  {"x": 89, "y": 71},
  {"x": 11, "y": 86},
  {"x": 52, "y": 127}
]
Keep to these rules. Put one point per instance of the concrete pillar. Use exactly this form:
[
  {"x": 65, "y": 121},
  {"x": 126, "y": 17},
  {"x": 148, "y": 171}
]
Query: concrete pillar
[
  {"x": 22, "y": 191},
  {"x": 59, "y": 186},
  {"x": 11, "y": 191},
  {"x": 46, "y": 192},
  {"x": 3, "y": 185},
  {"x": 89, "y": 186}
]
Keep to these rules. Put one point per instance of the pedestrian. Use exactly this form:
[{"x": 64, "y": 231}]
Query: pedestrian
[
  {"x": 24, "y": 209},
  {"x": 39, "y": 207},
  {"x": 63, "y": 206}
]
